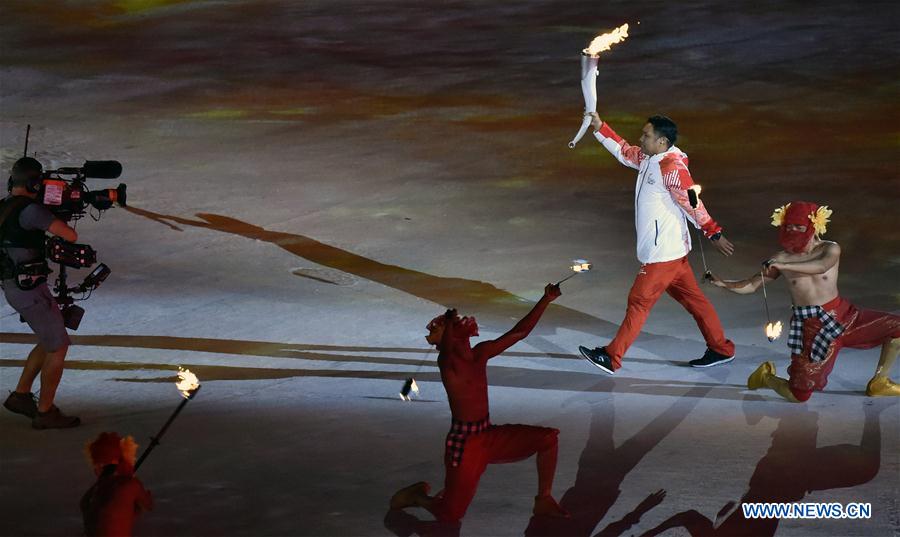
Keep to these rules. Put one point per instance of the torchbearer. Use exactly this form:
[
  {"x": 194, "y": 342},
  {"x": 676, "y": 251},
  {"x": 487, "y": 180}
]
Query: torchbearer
[
  {"x": 822, "y": 322},
  {"x": 473, "y": 441},
  {"x": 662, "y": 214}
]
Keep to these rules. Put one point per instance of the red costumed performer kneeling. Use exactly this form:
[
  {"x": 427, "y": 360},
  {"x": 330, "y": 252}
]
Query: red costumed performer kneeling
[
  {"x": 473, "y": 441},
  {"x": 822, "y": 322},
  {"x": 110, "y": 506}
]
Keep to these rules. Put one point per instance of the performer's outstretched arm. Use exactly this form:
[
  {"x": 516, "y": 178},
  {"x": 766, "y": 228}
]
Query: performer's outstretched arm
[
  {"x": 829, "y": 256},
  {"x": 746, "y": 286},
  {"x": 488, "y": 349}
]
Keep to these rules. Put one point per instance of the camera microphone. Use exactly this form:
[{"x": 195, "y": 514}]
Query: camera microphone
[{"x": 102, "y": 169}]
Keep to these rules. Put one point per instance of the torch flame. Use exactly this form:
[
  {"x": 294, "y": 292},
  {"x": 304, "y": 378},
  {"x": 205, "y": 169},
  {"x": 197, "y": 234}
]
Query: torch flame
[
  {"x": 581, "y": 265},
  {"x": 605, "y": 41},
  {"x": 187, "y": 382},
  {"x": 773, "y": 330}
]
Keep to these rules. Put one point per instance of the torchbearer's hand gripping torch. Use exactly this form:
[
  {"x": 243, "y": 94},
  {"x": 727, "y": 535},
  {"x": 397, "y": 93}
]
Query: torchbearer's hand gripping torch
[{"x": 694, "y": 201}]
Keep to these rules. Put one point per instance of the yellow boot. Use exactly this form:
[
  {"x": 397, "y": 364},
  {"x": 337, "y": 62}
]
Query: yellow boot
[
  {"x": 757, "y": 379},
  {"x": 882, "y": 386},
  {"x": 410, "y": 496}
]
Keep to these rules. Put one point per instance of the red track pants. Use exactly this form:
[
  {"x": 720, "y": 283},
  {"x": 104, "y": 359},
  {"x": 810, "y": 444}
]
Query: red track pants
[{"x": 676, "y": 278}]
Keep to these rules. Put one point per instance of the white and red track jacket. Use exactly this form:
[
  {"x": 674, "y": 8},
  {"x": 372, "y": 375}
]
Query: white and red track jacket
[{"x": 661, "y": 206}]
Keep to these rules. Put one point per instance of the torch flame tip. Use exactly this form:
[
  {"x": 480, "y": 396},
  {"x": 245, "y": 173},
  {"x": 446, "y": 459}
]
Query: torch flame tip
[
  {"x": 773, "y": 330},
  {"x": 188, "y": 383},
  {"x": 605, "y": 41}
]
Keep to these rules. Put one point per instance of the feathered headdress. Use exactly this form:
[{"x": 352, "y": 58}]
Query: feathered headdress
[
  {"x": 778, "y": 215},
  {"x": 820, "y": 219}
]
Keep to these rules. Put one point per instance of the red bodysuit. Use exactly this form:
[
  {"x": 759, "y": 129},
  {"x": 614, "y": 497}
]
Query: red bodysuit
[{"x": 464, "y": 375}]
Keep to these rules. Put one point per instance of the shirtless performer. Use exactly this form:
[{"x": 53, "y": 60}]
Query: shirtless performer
[
  {"x": 110, "y": 506},
  {"x": 822, "y": 322},
  {"x": 473, "y": 441}
]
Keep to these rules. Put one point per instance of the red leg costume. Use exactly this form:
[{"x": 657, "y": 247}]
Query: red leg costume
[
  {"x": 863, "y": 329},
  {"x": 498, "y": 444},
  {"x": 676, "y": 278}
]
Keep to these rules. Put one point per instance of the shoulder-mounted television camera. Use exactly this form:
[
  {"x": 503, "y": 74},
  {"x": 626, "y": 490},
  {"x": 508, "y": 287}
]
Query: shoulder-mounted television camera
[{"x": 66, "y": 194}]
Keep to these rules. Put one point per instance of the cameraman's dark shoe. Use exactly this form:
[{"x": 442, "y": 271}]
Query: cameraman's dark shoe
[
  {"x": 21, "y": 403},
  {"x": 711, "y": 358},
  {"x": 598, "y": 357},
  {"x": 54, "y": 419}
]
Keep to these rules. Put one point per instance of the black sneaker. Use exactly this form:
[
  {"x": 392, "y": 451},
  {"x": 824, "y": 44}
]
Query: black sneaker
[
  {"x": 711, "y": 358},
  {"x": 598, "y": 357},
  {"x": 54, "y": 419},
  {"x": 21, "y": 403}
]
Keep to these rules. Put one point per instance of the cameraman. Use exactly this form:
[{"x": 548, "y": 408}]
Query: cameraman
[{"x": 24, "y": 282}]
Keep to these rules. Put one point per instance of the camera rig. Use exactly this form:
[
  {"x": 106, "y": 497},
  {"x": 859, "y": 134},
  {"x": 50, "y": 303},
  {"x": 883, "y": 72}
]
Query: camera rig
[{"x": 65, "y": 193}]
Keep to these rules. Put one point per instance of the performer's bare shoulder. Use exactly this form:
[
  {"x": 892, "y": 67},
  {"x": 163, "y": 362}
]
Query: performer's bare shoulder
[{"x": 812, "y": 275}]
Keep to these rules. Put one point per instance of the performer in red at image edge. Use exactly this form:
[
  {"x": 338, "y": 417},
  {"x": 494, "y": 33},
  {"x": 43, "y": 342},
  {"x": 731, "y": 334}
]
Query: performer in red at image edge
[
  {"x": 822, "y": 322},
  {"x": 110, "y": 506},
  {"x": 662, "y": 212},
  {"x": 473, "y": 441}
]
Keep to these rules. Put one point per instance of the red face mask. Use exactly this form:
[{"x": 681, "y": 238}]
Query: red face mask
[{"x": 797, "y": 214}]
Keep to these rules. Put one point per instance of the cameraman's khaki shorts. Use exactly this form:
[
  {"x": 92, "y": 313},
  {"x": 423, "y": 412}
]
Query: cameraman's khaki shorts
[{"x": 39, "y": 309}]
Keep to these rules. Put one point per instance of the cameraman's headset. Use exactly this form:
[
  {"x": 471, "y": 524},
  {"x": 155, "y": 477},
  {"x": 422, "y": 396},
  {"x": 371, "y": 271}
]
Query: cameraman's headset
[{"x": 33, "y": 182}]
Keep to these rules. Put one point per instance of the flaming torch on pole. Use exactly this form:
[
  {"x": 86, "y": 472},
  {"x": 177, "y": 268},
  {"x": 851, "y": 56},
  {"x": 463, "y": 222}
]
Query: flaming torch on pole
[
  {"x": 773, "y": 330},
  {"x": 580, "y": 265},
  {"x": 589, "y": 60},
  {"x": 188, "y": 384}
]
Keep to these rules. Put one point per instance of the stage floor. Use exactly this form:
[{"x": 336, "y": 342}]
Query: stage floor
[{"x": 311, "y": 183}]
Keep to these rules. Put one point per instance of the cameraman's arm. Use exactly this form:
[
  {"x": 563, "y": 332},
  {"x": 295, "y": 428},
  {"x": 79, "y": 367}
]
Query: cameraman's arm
[
  {"x": 62, "y": 230},
  {"x": 36, "y": 216}
]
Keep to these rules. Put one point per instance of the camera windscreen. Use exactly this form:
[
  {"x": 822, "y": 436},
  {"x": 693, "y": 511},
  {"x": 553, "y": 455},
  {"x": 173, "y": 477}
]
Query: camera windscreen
[{"x": 102, "y": 169}]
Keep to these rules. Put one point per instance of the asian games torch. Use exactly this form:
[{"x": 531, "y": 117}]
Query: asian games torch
[{"x": 589, "y": 71}]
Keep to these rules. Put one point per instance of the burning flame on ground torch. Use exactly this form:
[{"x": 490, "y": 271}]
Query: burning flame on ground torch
[{"x": 188, "y": 383}]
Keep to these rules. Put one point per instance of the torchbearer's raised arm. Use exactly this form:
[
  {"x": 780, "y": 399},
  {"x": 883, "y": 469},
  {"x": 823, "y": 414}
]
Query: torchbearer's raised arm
[{"x": 627, "y": 154}]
